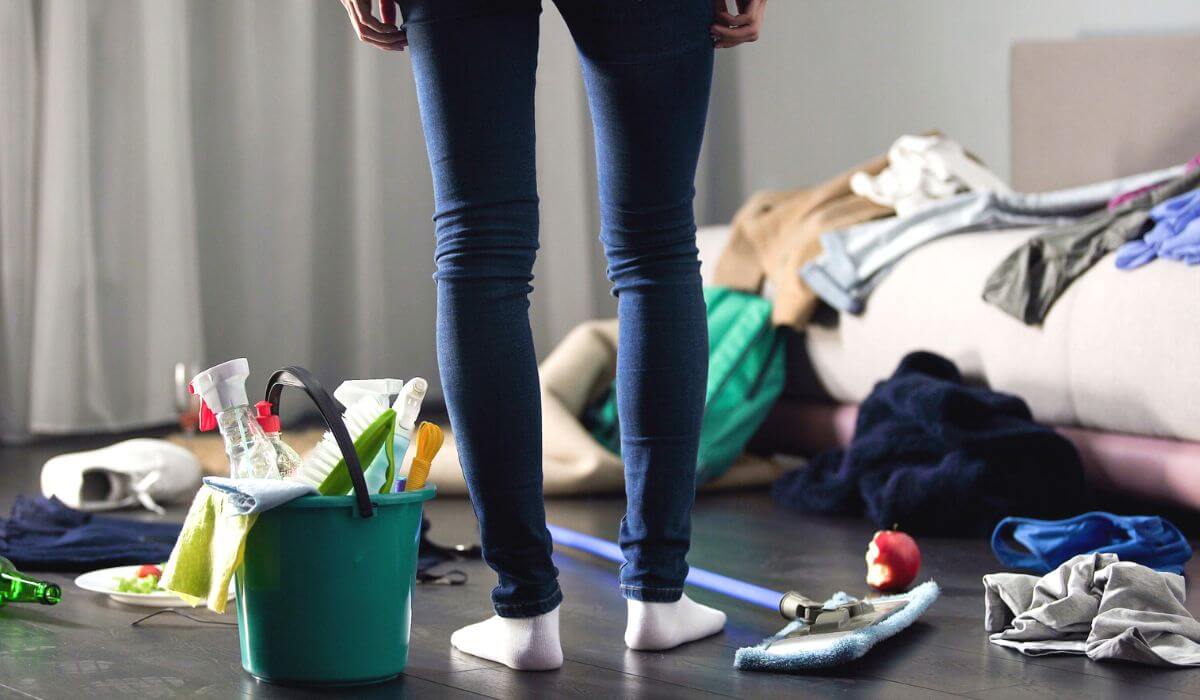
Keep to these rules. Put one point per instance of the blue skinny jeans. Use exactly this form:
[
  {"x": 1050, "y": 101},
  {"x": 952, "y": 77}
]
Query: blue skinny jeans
[{"x": 647, "y": 67}]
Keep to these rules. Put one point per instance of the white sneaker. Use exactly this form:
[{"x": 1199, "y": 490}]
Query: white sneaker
[{"x": 142, "y": 471}]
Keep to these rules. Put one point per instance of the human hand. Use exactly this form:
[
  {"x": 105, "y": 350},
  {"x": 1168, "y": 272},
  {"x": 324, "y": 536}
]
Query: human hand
[
  {"x": 382, "y": 32},
  {"x": 729, "y": 30}
]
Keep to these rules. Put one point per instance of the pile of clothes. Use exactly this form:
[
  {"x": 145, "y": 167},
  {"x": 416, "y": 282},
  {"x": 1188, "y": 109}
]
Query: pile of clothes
[
  {"x": 1104, "y": 585},
  {"x": 837, "y": 241},
  {"x": 933, "y": 455},
  {"x": 930, "y": 452},
  {"x": 1094, "y": 604}
]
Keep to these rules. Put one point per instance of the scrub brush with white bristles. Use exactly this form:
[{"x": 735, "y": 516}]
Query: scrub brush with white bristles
[{"x": 370, "y": 423}]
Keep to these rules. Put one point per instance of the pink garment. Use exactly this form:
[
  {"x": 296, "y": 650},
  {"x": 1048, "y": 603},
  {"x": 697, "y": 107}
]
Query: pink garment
[
  {"x": 1152, "y": 468},
  {"x": 1122, "y": 198}
]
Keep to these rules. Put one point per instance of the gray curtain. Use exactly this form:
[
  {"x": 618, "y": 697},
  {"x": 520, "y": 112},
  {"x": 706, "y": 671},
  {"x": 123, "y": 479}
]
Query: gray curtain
[
  {"x": 97, "y": 214},
  {"x": 18, "y": 130}
]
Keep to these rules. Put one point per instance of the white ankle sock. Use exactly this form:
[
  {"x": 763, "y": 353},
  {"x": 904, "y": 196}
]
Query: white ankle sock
[
  {"x": 521, "y": 643},
  {"x": 658, "y": 626}
]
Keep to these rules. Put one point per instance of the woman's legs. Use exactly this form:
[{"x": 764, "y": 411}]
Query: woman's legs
[
  {"x": 648, "y": 72},
  {"x": 648, "y": 89},
  {"x": 474, "y": 63},
  {"x": 648, "y": 67}
]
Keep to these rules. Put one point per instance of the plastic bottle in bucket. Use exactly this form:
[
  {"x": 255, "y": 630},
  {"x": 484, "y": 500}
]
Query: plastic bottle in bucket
[
  {"x": 224, "y": 405},
  {"x": 407, "y": 406},
  {"x": 288, "y": 459}
]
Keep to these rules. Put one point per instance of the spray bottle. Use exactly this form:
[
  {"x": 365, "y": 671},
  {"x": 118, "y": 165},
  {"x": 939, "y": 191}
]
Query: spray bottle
[
  {"x": 223, "y": 404},
  {"x": 288, "y": 459},
  {"x": 407, "y": 406},
  {"x": 351, "y": 390}
]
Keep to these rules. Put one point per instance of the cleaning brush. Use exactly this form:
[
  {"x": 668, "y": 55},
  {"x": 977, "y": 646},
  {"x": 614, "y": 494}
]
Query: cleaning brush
[
  {"x": 429, "y": 441},
  {"x": 358, "y": 417},
  {"x": 370, "y": 423}
]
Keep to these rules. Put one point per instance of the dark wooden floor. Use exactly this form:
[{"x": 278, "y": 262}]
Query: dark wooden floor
[{"x": 86, "y": 648}]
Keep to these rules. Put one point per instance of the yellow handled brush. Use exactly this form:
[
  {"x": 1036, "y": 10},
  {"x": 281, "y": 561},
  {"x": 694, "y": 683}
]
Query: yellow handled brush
[{"x": 429, "y": 441}]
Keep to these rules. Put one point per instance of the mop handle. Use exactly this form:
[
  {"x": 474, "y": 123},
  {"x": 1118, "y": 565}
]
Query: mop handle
[{"x": 748, "y": 592}]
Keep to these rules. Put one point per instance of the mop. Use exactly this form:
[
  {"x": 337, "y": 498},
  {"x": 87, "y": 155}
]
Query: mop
[{"x": 820, "y": 634}]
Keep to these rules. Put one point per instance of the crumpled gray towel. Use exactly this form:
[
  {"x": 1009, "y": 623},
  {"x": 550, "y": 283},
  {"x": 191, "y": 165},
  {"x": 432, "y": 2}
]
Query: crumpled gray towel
[{"x": 1094, "y": 604}]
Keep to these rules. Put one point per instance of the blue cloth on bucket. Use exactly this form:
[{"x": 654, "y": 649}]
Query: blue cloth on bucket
[
  {"x": 840, "y": 649},
  {"x": 934, "y": 455},
  {"x": 45, "y": 535},
  {"x": 1146, "y": 539},
  {"x": 248, "y": 496}
]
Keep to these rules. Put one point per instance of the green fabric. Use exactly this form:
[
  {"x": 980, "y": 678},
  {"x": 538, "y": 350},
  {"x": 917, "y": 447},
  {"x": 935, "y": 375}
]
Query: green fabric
[
  {"x": 208, "y": 551},
  {"x": 745, "y": 377}
]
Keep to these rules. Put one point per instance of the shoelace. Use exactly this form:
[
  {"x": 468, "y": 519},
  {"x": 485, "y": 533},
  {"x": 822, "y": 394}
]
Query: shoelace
[{"x": 141, "y": 489}]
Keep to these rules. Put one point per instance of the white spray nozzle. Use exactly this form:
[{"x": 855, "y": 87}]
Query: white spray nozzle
[
  {"x": 351, "y": 390},
  {"x": 223, "y": 387},
  {"x": 408, "y": 404}
]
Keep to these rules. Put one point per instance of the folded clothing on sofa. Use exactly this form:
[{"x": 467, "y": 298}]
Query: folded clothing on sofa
[
  {"x": 854, "y": 259},
  {"x": 922, "y": 170},
  {"x": 1032, "y": 278},
  {"x": 775, "y": 233}
]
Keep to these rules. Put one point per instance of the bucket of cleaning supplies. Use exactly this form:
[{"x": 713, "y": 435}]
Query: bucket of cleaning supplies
[{"x": 324, "y": 595}]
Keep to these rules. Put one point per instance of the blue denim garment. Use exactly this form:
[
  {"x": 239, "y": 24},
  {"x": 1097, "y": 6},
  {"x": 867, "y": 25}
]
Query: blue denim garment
[
  {"x": 43, "y": 534},
  {"x": 647, "y": 68},
  {"x": 1043, "y": 545}
]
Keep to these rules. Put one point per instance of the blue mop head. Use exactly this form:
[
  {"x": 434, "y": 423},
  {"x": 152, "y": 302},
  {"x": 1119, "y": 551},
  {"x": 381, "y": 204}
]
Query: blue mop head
[{"x": 841, "y": 648}]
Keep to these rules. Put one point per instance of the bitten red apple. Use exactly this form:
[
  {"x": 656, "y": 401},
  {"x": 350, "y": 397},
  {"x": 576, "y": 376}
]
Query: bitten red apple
[{"x": 893, "y": 560}]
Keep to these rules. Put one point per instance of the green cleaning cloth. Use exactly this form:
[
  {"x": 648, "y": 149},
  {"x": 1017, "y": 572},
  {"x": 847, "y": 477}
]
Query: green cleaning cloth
[{"x": 208, "y": 551}]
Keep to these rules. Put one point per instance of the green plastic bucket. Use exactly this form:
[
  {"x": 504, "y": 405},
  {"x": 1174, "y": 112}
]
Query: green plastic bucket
[
  {"x": 325, "y": 596},
  {"x": 324, "y": 593}
]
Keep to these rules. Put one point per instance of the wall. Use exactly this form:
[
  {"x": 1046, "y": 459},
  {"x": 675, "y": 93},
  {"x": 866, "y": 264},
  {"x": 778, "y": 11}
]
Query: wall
[{"x": 833, "y": 82}]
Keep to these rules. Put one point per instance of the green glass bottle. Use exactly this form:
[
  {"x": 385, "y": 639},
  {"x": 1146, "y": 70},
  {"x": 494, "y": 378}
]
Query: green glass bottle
[{"x": 16, "y": 587}]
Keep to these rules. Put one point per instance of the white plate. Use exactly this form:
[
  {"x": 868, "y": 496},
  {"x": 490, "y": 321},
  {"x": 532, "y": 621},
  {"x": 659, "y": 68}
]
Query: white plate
[{"x": 105, "y": 581}]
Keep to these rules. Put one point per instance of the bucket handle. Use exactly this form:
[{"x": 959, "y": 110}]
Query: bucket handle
[{"x": 328, "y": 407}]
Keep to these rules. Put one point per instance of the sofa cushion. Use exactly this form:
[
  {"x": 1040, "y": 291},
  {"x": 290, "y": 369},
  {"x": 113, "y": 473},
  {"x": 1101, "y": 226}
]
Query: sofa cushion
[{"x": 1117, "y": 352}]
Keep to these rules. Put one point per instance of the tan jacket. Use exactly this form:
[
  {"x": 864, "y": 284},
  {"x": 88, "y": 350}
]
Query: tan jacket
[{"x": 775, "y": 233}]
